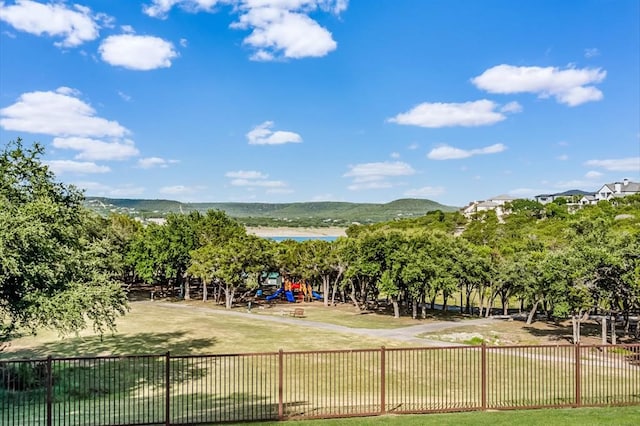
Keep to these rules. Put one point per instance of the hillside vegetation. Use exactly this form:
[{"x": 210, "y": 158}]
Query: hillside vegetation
[{"x": 304, "y": 214}]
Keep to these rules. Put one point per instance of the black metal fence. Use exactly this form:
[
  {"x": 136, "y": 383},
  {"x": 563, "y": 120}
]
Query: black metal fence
[{"x": 165, "y": 389}]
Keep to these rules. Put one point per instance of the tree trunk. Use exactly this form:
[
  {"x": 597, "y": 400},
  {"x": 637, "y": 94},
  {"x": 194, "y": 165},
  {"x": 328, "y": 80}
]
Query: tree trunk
[
  {"x": 352, "y": 296},
  {"x": 532, "y": 312},
  {"x": 229, "y": 293},
  {"x": 396, "y": 307},
  {"x": 204, "y": 290},
  {"x": 423, "y": 306},
  {"x": 433, "y": 303},
  {"x": 187, "y": 289},
  {"x": 414, "y": 308},
  {"x": 326, "y": 283},
  {"x": 604, "y": 329},
  {"x": 444, "y": 304}
]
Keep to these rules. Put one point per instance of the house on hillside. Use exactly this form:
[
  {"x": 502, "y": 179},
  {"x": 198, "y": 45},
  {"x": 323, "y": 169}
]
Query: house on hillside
[
  {"x": 495, "y": 203},
  {"x": 617, "y": 190},
  {"x": 549, "y": 198}
]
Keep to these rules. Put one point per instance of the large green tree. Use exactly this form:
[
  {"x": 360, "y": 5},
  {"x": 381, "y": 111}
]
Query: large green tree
[{"x": 53, "y": 268}]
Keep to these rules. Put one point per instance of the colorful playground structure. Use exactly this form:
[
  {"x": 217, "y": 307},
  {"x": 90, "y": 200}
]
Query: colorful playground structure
[{"x": 295, "y": 291}]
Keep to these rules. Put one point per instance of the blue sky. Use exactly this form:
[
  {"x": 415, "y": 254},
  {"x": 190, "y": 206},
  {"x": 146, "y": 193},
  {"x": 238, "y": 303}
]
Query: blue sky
[{"x": 313, "y": 100}]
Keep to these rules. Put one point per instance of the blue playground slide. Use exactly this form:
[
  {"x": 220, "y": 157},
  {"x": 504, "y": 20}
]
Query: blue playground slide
[
  {"x": 317, "y": 295},
  {"x": 290, "y": 297},
  {"x": 274, "y": 295}
]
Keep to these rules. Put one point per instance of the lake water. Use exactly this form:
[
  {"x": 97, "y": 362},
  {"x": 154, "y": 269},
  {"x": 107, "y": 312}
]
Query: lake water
[{"x": 325, "y": 238}]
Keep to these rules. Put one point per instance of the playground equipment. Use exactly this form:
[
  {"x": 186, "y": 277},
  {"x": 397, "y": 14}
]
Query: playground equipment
[{"x": 294, "y": 291}]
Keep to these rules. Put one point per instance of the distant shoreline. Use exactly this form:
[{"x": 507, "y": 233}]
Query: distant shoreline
[{"x": 282, "y": 231}]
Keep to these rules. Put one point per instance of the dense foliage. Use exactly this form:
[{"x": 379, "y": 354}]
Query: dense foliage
[{"x": 57, "y": 259}]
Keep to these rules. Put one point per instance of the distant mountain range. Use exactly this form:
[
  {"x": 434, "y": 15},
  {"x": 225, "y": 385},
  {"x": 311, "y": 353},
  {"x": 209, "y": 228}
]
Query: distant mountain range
[{"x": 328, "y": 212}]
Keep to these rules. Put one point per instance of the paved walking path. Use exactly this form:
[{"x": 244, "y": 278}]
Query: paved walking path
[{"x": 406, "y": 334}]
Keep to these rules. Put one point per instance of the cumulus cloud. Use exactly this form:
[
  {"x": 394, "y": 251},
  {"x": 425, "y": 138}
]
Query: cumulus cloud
[
  {"x": 376, "y": 175},
  {"x": 425, "y": 191},
  {"x": 137, "y": 52},
  {"x": 263, "y": 135},
  {"x": 252, "y": 179},
  {"x": 511, "y": 107},
  {"x": 278, "y": 28},
  {"x": 151, "y": 162},
  {"x": 570, "y": 86},
  {"x": 277, "y": 32},
  {"x": 93, "y": 149},
  {"x": 629, "y": 164},
  {"x": 75, "y": 25},
  {"x": 57, "y": 113},
  {"x": 467, "y": 114},
  {"x": 446, "y": 152},
  {"x": 79, "y": 167}
]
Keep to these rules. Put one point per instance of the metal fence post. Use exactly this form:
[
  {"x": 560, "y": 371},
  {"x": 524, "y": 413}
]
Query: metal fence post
[
  {"x": 383, "y": 380},
  {"x": 483, "y": 379},
  {"x": 578, "y": 374},
  {"x": 167, "y": 389},
  {"x": 280, "y": 385},
  {"x": 49, "y": 391}
]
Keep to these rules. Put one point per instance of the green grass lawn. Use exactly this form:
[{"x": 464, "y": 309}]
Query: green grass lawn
[
  {"x": 150, "y": 328},
  {"x": 614, "y": 416}
]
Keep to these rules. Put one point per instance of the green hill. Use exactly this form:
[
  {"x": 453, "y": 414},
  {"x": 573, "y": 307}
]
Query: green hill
[{"x": 303, "y": 214}]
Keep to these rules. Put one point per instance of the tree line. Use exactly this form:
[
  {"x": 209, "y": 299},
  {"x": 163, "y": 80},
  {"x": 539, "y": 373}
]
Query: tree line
[{"x": 63, "y": 266}]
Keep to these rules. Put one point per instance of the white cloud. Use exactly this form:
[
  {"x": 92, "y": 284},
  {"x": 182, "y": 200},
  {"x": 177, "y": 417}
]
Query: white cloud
[
  {"x": 92, "y": 149},
  {"x": 570, "y": 86},
  {"x": 252, "y": 179},
  {"x": 467, "y": 114},
  {"x": 375, "y": 175},
  {"x": 395, "y": 155},
  {"x": 425, "y": 191},
  {"x": 563, "y": 157},
  {"x": 591, "y": 53},
  {"x": 377, "y": 171},
  {"x": 137, "y": 52},
  {"x": 629, "y": 164},
  {"x": 413, "y": 146},
  {"x": 59, "y": 113},
  {"x": 80, "y": 167},
  {"x": 151, "y": 162},
  {"x": 75, "y": 25},
  {"x": 593, "y": 174},
  {"x": 278, "y": 28},
  {"x": 511, "y": 107},
  {"x": 160, "y": 8},
  {"x": 184, "y": 42},
  {"x": 446, "y": 152},
  {"x": 279, "y": 32},
  {"x": 102, "y": 190},
  {"x": 246, "y": 174},
  {"x": 263, "y": 135}
]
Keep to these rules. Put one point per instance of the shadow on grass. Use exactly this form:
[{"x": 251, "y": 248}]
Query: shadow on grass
[{"x": 177, "y": 342}]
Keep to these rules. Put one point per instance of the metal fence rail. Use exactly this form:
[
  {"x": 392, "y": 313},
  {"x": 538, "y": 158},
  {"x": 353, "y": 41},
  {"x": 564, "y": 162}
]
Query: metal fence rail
[{"x": 181, "y": 390}]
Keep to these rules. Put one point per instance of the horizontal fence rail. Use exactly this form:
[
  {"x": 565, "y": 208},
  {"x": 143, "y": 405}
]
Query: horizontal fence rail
[{"x": 199, "y": 389}]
